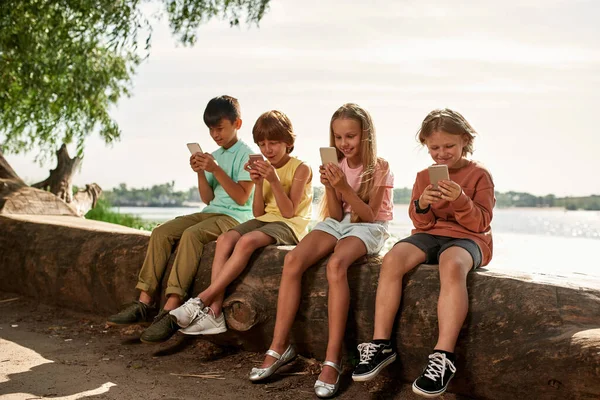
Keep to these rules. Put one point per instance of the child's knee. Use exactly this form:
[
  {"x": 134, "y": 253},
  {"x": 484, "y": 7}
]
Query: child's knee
[{"x": 337, "y": 269}]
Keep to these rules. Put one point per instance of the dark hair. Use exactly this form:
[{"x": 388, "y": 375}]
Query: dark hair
[
  {"x": 274, "y": 125},
  {"x": 221, "y": 107},
  {"x": 449, "y": 121}
]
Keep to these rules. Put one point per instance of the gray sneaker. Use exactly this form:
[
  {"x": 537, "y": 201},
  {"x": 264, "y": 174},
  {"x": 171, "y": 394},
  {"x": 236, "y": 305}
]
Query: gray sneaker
[
  {"x": 206, "y": 324},
  {"x": 133, "y": 313},
  {"x": 163, "y": 327},
  {"x": 188, "y": 311}
]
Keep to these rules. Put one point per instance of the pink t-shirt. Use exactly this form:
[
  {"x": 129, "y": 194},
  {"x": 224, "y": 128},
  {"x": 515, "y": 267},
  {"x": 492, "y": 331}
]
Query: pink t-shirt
[{"x": 383, "y": 177}]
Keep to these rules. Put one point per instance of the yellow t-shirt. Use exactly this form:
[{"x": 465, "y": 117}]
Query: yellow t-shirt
[{"x": 300, "y": 220}]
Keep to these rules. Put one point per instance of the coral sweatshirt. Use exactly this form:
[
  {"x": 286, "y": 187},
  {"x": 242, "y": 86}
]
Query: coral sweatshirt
[{"x": 467, "y": 217}]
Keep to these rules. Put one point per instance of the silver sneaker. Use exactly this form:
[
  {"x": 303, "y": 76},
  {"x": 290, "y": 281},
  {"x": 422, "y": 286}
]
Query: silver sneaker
[
  {"x": 206, "y": 324},
  {"x": 188, "y": 311}
]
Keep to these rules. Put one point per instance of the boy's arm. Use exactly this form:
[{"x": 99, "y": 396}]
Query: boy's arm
[
  {"x": 206, "y": 192},
  {"x": 240, "y": 192},
  {"x": 204, "y": 187},
  {"x": 289, "y": 205},
  {"x": 258, "y": 204}
]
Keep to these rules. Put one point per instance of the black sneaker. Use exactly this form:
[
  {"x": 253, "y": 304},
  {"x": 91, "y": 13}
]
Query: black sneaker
[
  {"x": 436, "y": 376},
  {"x": 163, "y": 327},
  {"x": 135, "y": 312},
  {"x": 373, "y": 358}
]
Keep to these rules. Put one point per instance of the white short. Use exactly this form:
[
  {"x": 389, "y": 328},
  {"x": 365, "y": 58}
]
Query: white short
[{"x": 373, "y": 234}]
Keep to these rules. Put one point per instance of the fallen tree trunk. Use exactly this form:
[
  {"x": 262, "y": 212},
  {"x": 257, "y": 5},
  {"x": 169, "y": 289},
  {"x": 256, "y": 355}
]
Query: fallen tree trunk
[
  {"x": 53, "y": 196},
  {"x": 524, "y": 336}
]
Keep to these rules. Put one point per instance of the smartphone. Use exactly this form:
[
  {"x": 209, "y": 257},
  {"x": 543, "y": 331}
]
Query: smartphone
[
  {"x": 438, "y": 173},
  {"x": 252, "y": 158},
  {"x": 329, "y": 155},
  {"x": 194, "y": 148}
]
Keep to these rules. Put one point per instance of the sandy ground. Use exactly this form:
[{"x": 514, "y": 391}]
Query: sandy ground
[{"x": 47, "y": 352}]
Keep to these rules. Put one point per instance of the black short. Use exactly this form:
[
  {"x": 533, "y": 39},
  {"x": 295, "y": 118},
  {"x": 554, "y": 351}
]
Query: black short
[{"x": 433, "y": 246}]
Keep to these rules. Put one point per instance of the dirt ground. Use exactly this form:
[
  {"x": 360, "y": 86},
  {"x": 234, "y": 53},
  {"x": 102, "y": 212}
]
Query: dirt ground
[{"x": 48, "y": 352}]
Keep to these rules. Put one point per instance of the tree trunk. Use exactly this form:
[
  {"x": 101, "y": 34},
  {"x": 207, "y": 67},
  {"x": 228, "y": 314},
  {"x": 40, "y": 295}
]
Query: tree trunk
[
  {"x": 525, "y": 336},
  {"x": 59, "y": 181},
  {"x": 18, "y": 198}
]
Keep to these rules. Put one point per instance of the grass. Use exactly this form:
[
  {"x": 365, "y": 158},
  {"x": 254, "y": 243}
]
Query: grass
[{"x": 103, "y": 212}]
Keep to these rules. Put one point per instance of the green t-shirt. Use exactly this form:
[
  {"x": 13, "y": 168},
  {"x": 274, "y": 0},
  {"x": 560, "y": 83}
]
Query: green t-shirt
[{"x": 232, "y": 161}]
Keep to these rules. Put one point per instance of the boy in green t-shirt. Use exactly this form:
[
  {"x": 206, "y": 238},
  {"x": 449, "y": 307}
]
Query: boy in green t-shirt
[{"x": 225, "y": 186}]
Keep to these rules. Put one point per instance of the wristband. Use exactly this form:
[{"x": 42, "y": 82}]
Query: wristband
[{"x": 420, "y": 210}]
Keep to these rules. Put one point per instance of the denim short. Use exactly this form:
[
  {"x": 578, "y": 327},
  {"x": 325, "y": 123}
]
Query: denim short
[
  {"x": 372, "y": 234},
  {"x": 434, "y": 245}
]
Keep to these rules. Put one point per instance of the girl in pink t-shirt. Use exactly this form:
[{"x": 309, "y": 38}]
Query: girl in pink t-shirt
[{"x": 357, "y": 205}]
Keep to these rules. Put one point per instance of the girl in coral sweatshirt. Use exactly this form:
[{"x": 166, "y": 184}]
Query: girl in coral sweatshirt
[{"x": 452, "y": 229}]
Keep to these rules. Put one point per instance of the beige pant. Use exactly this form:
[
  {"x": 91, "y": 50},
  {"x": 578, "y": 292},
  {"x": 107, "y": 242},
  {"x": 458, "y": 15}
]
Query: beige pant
[{"x": 193, "y": 232}]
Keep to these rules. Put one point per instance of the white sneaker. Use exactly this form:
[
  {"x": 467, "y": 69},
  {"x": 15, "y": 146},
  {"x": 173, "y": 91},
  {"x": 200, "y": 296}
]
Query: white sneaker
[
  {"x": 188, "y": 311},
  {"x": 206, "y": 324}
]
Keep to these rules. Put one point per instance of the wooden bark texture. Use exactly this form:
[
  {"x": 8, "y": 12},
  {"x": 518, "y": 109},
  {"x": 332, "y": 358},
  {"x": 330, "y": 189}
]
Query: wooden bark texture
[{"x": 525, "y": 337}]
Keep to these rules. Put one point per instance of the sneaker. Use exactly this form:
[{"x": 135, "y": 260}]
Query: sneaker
[
  {"x": 373, "y": 358},
  {"x": 135, "y": 312},
  {"x": 163, "y": 327},
  {"x": 206, "y": 324},
  {"x": 436, "y": 376},
  {"x": 187, "y": 312}
]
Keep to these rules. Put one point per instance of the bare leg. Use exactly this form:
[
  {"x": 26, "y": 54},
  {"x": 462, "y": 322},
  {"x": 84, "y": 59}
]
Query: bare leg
[
  {"x": 233, "y": 267},
  {"x": 453, "y": 303},
  {"x": 145, "y": 298},
  {"x": 173, "y": 301},
  {"x": 397, "y": 262},
  {"x": 316, "y": 245},
  {"x": 346, "y": 252},
  {"x": 225, "y": 245}
]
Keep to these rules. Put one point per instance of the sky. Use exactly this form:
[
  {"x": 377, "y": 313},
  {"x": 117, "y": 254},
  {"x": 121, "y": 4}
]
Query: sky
[{"x": 525, "y": 74}]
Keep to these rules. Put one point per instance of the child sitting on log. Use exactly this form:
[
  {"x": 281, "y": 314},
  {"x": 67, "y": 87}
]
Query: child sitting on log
[
  {"x": 452, "y": 229},
  {"x": 282, "y": 209},
  {"x": 358, "y": 206},
  {"x": 225, "y": 186}
]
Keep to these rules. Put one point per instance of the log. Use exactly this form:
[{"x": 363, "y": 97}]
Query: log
[{"x": 527, "y": 335}]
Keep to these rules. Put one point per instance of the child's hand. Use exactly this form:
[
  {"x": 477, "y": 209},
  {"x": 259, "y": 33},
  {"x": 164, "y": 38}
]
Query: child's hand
[
  {"x": 194, "y": 164},
  {"x": 266, "y": 170},
  {"x": 449, "y": 190},
  {"x": 336, "y": 177},
  {"x": 324, "y": 180},
  {"x": 255, "y": 176},
  {"x": 429, "y": 196},
  {"x": 206, "y": 162}
]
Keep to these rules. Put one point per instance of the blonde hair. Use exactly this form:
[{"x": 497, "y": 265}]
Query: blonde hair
[
  {"x": 451, "y": 122},
  {"x": 274, "y": 125},
  {"x": 368, "y": 152}
]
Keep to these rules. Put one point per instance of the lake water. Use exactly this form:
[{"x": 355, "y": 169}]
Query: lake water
[{"x": 547, "y": 240}]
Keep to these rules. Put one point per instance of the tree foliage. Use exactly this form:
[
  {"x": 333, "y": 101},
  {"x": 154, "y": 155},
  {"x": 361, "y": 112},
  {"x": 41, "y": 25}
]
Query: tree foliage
[{"x": 65, "y": 63}]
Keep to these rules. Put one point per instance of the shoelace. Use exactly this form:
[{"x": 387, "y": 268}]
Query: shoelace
[
  {"x": 437, "y": 366},
  {"x": 367, "y": 351},
  {"x": 193, "y": 307}
]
